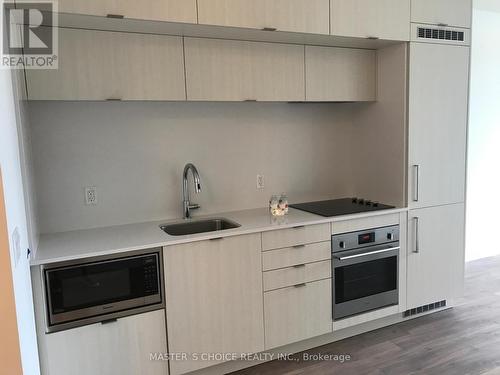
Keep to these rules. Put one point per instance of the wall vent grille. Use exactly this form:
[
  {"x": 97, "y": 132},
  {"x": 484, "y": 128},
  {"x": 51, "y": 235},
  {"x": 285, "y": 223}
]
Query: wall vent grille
[
  {"x": 425, "y": 308},
  {"x": 440, "y": 34}
]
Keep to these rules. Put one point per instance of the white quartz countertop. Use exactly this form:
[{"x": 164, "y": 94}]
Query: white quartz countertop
[{"x": 59, "y": 247}]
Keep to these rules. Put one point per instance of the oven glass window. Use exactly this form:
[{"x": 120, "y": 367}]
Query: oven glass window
[
  {"x": 365, "y": 279},
  {"x": 102, "y": 283}
]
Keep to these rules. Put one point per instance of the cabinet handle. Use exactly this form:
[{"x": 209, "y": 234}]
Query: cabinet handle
[
  {"x": 249, "y": 100},
  {"x": 217, "y": 239},
  {"x": 416, "y": 182},
  {"x": 269, "y": 29},
  {"x": 299, "y": 246},
  {"x": 116, "y": 16},
  {"x": 299, "y": 227},
  {"x": 114, "y": 99},
  {"x": 109, "y": 321},
  {"x": 299, "y": 266},
  {"x": 300, "y": 285},
  {"x": 416, "y": 249},
  {"x": 373, "y": 37}
]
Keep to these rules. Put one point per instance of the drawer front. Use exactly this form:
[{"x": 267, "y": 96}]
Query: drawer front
[
  {"x": 295, "y": 236},
  {"x": 291, "y": 276},
  {"x": 293, "y": 256},
  {"x": 297, "y": 313}
]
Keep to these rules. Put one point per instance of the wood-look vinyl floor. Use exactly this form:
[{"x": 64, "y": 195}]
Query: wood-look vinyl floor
[{"x": 463, "y": 340}]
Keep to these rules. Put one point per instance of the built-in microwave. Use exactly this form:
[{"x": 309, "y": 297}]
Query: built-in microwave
[{"x": 102, "y": 289}]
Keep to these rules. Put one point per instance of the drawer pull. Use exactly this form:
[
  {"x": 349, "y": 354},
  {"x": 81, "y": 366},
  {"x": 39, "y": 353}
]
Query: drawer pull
[
  {"x": 216, "y": 239},
  {"x": 299, "y": 266},
  {"x": 299, "y": 246},
  {"x": 116, "y": 16},
  {"x": 299, "y": 227},
  {"x": 372, "y": 37},
  {"x": 114, "y": 99},
  {"x": 300, "y": 285},
  {"x": 269, "y": 29},
  {"x": 109, "y": 321}
]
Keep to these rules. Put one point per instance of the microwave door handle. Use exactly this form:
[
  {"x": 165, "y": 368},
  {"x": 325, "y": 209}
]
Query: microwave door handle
[{"x": 368, "y": 254}]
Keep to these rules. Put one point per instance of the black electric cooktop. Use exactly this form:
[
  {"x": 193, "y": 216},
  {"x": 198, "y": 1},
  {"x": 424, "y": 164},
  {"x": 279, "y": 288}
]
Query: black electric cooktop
[{"x": 344, "y": 206}]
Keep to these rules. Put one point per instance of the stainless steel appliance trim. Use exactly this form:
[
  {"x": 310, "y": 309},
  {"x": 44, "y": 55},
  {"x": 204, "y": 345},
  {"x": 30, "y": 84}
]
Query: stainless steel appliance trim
[
  {"x": 349, "y": 241},
  {"x": 119, "y": 309},
  {"x": 368, "y": 254},
  {"x": 365, "y": 304},
  {"x": 416, "y": 182}
]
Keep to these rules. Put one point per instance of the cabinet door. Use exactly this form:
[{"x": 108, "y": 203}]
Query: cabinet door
[
  {"x": 435, "y": 254},
  {"x": 340, "y": 74},
  {"x": 99, "y": 65},
  {"x": 298, "y": 313},
  {"x": 228, "y": 70},
  {"x": 447, "y": 12},
  {"x": 385, "y": 19},
  {"x": 306, "y": 16},
  {"x": 159, "y": 10},
  {"x": 122, "y": 347},
  {"x": 438, "y": 99},
  {"x": 214, "y": 299}
]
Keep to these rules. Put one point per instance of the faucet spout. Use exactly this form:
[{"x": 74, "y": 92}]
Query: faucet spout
[{"x": 188, "y": 206}]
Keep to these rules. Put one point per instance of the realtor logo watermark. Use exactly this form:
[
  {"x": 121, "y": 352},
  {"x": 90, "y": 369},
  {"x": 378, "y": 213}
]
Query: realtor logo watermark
[{"x": 29, "y": 35}]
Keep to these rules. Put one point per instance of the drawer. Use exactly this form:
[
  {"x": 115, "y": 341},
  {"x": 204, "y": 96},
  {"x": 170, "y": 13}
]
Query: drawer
[
  {"x": 304, "y": 273},
  {"x": 295, "y": 236},
  {"x": 292, "y": 256},
  {"x": 297, "y": 313}
]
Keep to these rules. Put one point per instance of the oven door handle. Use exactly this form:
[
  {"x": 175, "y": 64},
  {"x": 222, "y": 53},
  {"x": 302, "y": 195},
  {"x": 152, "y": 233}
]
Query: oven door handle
[{"x": 368, "y": 254}]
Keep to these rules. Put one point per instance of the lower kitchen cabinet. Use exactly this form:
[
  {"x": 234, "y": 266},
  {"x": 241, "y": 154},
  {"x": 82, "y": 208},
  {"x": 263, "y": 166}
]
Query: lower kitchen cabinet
[
  {"x": 297, "y": 313},
  {"x": 120, "y": 347},
  {"x": 435, "y": 254},
  {"x": 214, "y": 299}
]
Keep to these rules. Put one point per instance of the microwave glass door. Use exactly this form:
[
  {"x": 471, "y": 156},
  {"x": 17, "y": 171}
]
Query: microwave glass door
[{"x": 84, "y": 286}]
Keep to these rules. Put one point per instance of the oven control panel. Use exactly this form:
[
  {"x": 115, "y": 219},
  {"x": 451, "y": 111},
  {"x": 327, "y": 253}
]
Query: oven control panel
[{"x": 368, "y": 237}]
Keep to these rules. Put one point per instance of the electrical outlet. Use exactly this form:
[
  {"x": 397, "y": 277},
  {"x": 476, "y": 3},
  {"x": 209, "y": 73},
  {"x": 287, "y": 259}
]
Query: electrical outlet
[
  {"x": 90, "y": 196},
  {"x": 260, "y": 182}
]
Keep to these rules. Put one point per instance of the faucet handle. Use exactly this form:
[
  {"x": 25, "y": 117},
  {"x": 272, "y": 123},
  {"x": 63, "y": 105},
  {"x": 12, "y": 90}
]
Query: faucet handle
[{"x": 194, "y": 206}]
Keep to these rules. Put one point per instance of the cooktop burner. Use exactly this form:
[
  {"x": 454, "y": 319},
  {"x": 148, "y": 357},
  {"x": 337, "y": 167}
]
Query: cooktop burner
[{"x": 337, "y": 207}]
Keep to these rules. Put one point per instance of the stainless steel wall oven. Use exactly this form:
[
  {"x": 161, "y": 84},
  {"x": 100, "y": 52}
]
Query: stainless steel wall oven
[{"x": 365, "y": 268}]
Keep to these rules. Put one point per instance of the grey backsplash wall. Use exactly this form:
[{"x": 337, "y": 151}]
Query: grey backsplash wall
[{"x": 134, "y": 153}]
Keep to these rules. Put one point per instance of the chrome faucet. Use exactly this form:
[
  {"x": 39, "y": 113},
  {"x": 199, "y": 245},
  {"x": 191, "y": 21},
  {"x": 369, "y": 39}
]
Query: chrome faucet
[{"x": 188, "y": 206}]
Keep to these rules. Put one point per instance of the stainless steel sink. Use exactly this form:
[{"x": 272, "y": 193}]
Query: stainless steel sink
[{"x": 199, "y": 226}]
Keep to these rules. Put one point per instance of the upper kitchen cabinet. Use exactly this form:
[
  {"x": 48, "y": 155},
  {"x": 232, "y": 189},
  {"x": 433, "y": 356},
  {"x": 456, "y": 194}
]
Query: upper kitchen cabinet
[
  {"x": 228, "y": 70},
  {"x": 157, "y": 10},
  {"x": 384, "y": 19},
  {"x": 214, "y": 299},
  {"x": 304, "y": 16},
  {"x": 340, "y": 74},
  {"x": 438, "y": 102},
  {"x": 442, "y": 12},
  {"x": 99, "y": 65}
]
